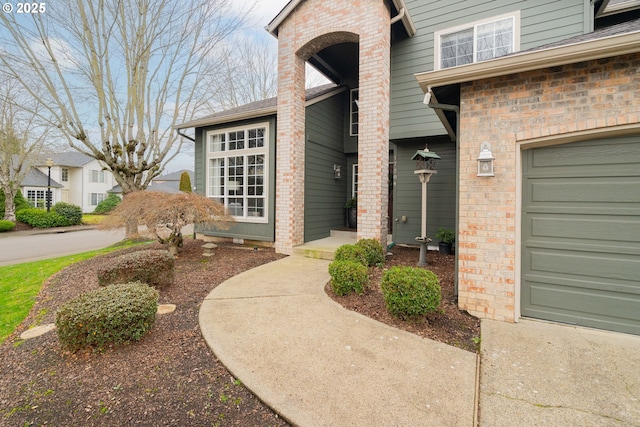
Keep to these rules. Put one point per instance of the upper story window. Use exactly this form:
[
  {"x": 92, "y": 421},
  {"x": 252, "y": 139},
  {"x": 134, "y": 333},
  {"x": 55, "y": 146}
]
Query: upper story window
[
  {"x": 96, "y": 176},
  {"x": 353, "y": 113},
  {"x": 237, "y": 171},
  {"x": 65, "y": 175},
  {"x": 478, "y": 41}
]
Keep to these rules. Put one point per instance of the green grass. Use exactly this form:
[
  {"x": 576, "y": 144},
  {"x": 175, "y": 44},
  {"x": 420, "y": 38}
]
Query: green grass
[
  {"x": 91, "y": 219},
  {"x": 21, "y": 283}
]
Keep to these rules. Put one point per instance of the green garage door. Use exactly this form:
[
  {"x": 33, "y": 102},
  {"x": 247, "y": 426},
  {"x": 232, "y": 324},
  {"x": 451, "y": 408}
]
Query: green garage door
[{"x": 581, "y": 234}]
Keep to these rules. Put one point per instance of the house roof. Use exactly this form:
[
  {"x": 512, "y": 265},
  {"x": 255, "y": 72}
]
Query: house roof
[
  {"x": 174, "y": 176},
  {"x": 73, "y": 159},
  {"x": 262, "y": 108},
  {"x": 616, "y": 40},
  {"x": 400, "y": 6},
  {"x": 37, "y": 178}
]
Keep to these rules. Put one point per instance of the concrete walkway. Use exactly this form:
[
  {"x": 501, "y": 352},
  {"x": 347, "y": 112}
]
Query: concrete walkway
[{"x": 317, "y": 364}]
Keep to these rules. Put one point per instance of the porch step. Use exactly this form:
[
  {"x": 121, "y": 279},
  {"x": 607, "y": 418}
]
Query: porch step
[{"x": 325, "y": 248}]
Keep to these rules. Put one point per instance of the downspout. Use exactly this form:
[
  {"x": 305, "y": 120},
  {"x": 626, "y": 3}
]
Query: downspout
[
  {"x": 398, "y": 17},
  {"x": 455, "y": 109}
]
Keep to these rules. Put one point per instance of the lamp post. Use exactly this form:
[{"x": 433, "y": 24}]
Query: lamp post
[
  {"x": 425, "y": 168},
  {"x": 49, "y": 163}
]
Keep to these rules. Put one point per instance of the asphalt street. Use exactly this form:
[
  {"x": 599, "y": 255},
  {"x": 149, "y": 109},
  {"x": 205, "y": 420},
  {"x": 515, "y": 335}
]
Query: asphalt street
[{"x": 24, "y": 246}]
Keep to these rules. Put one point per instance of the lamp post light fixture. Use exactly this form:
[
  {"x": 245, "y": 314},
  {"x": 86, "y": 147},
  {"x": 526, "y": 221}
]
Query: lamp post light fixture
[
  {"x": 49, "y": 163},
  {"x": 425, "y": 168}
]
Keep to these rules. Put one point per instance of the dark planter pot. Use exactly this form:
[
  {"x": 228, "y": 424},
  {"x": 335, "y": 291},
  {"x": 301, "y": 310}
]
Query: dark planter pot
[
  {"x": 445, "y": 248},
  {"x": 352, "y": 217}
]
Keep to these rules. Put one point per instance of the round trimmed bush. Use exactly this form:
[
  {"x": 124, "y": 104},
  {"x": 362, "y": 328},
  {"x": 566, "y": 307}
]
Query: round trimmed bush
[
  {"x": 373, "y": 251},
  {"x": 115, "y": 314},
  {"x": 410, "y": 291},
  {"x": 71, "y": 213},
  {"x": 6, "y": 225},
  {"x": 348, "y": 276},
  {"x": 350, "y": 253},
  {"x": 154, "y": 267}
]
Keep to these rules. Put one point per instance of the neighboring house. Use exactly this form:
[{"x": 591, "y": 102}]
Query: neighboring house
[
  {"x": 75, "y": 178},
  {"x": 170, "y": 183},
  {"x": 519, "y": 75}
]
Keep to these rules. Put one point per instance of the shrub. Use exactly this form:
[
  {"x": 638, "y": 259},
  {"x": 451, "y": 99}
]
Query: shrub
[
  {"x": 108, "y": 204},
  {"x": 410, "y": 291},
  {"x": 18, "y": 201},
  {"x": 350, "y": 253},
  {"x": 40, "y": 218},
  {"x": 373, "y": 251},
  {"x": 185, "y": 182},
  {"x": 153, "y": 267},
  {"x": 348, "y": 276},
  {"x": 116, "y": 314},
  {"x": 6, "y": 225},
  {"x": 71, "y": 213}
]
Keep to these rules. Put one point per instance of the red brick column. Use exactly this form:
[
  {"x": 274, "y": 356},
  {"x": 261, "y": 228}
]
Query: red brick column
[{"x": 312, "y": 26}]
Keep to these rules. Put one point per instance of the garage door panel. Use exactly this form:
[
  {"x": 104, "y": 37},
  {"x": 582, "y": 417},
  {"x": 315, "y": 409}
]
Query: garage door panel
[
  {"x": 590, "y": 228},
  {"x": 625, "y": 151},
  {"x": 586, "y": 190},
  {"x": 581, "y": 233}
]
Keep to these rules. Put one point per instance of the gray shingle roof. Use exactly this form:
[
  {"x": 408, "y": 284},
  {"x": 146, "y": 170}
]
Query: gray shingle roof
[
  {"x": 265, "y": 104},
  {"x": 73, "y": 159},
  {"x": 36, "y": 178}
]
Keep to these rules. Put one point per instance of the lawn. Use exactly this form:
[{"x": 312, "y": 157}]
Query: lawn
[{"x": 21, "y": 283}]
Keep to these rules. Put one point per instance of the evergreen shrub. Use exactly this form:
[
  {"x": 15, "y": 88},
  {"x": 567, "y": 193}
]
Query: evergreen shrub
[
  {"x": 348, "y": 276},
  {"x": 373, "y": 251},
  {"x": 410, "y": 291},
  {"x": 153, "y": 267},
  {"x": 71, "y": 213},
  {"x": 108, "y": 204},
  {"x": 6, "y": 225},
  {"x": 350, "y": 253},
  {"x": 116, "y": 314},
  {"x": 40, "y": 218}
]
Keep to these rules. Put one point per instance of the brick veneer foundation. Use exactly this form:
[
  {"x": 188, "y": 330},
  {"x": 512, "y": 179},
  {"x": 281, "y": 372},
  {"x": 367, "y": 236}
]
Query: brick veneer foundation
[
  {"x": 311, "y": 27},
  {"x": 512, "y": 112}
]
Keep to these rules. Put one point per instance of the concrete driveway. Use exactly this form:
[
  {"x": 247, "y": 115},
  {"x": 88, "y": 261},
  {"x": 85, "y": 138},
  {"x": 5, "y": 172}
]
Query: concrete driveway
[{"x": 536, "y": 373}]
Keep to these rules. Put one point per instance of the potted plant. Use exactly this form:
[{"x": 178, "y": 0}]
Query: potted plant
[
  {"x": 352, "y": 212},
  {"x": 445, "y": 237}
]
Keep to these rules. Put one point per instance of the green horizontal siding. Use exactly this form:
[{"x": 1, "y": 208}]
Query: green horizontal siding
[
  {"x": 324, "y": 195},
  {"x": 542, "y": 22},
  {"x": 441, "y": 191}
]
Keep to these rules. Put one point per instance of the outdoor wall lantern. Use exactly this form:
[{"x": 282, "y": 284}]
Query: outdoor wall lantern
[
  {"x": 425, "y": 168},
  {"x": 337, "y": 171},
  {"x": 49, "y": 163},
  {"x": 485, "y": 160}
]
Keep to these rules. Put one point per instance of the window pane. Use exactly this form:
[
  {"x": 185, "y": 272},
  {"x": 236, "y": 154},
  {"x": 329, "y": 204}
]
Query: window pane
[
  {"x": 236, "y": 140},
  {"x": 217, "y": 143},
  {"x": 236, "y": 206},
  {"x": 456, "y": 48},
  {"x": 235, "y": 183},
  {"x": 256, "y": 207},
  {"x": 216, "y": 177},
  {"x": 256, "y": 138},
  {"x": 255, "y": 175},
  {"x": 353, "y": 118},
  {"x": 494, "y": 39}
]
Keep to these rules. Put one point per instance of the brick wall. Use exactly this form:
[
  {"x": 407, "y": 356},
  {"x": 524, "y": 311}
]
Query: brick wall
[
  {"x": 516, "y": 109},
  {"x": 312, "y": 26}
]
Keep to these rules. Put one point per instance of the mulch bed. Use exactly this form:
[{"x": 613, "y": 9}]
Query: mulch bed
[{"x": 171, "y": 377}]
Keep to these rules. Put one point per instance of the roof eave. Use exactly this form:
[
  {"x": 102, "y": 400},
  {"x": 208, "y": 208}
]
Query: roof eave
[
  {"x": 273, "y": 26},
  {"x": 534, "y": 60},
  {"x": 230, "y": 118}
]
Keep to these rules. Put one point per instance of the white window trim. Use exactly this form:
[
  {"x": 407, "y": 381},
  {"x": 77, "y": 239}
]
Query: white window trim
[
  {"x": 245, "y": 151},
  {"x": 354, "y": 181},
  {"x": 351, "y": 92},
  {"x": 437, "y": 35}
]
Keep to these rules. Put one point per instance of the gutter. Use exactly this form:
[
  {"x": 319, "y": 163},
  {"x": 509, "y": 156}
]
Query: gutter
[
  {"x": 185, "y": 136},
  {"x": 532, "y": 60}
]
